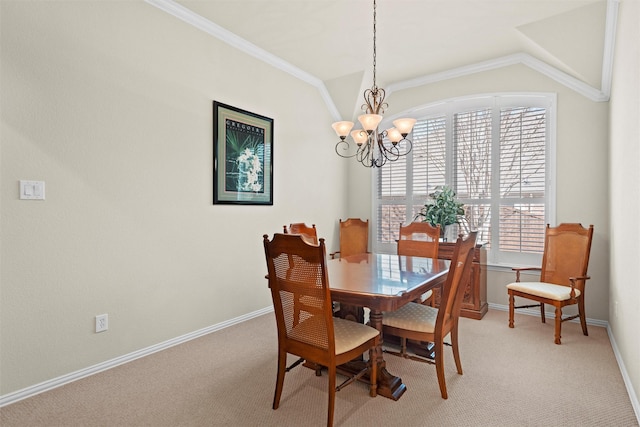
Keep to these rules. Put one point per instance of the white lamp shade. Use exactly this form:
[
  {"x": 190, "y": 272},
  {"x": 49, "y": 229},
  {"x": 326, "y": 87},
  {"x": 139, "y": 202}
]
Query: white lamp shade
[
  {"x": 359, "y": 136},
  {"x": 394, "y": 135},
  {"x": 404, "y": 126},
  {"x": 342, "y": 128},
  {"x": 370, "y": 121}
]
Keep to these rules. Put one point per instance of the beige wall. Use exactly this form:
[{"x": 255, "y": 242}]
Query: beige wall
[
  {"x": 625, "y": 192},
  {"x": 110, "y": 103}
]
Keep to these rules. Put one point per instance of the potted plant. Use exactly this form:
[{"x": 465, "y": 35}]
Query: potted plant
[{"x": 443, "y": 209}]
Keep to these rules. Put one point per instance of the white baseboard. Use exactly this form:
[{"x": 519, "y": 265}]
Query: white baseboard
[
  {"x": 27, "y": 392},
  {"x": 548, "y": 314},
  {"x": 625, "y": 376},
  {"x": 623, "y": 370}
]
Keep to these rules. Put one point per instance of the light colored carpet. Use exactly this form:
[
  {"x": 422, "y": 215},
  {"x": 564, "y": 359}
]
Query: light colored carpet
[{"x": 512, "y": 377}]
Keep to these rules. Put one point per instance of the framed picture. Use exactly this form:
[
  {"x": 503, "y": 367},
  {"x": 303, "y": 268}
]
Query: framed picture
[{"x": 242, "y": 157}]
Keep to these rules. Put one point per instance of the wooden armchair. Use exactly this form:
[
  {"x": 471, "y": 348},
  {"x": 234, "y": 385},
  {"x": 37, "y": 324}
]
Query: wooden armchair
[
  {"x": 308, "y": 233},
  {"x": 563, "y": 275},
  {"x": 420, "y": 239},
  {"x": 420, "y": 322},
  {"x": 354, "y": 237},
  {"x": 297, "y": 270}
]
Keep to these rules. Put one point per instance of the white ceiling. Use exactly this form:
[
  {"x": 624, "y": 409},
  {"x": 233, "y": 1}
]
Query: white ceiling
[{"x": 331, "y": 40}]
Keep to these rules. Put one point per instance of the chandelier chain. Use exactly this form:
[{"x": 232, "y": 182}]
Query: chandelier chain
[{"x": 374, "y": 45}]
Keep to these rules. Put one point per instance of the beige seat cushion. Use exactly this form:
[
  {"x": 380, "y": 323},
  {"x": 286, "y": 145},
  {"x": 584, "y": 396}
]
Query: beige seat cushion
[
  {"x": 544, "y": 290},
  {"x": 426, "y": 295},
  {"x": 348, "y": 334},
  {"x": 412, "y": 317}
]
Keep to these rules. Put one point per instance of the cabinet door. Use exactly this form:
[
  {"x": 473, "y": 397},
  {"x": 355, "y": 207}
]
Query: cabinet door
[{"x": 474, "y": 303}]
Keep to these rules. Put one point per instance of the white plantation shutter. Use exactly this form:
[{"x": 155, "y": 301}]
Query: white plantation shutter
[
  {"x": 522, "y": 179},
  {"x": 494, "y": 152},
  {"x": 429, "y": 156},
  {"x": 392, "y": 193},
  {"x": 472, "y": 142}
]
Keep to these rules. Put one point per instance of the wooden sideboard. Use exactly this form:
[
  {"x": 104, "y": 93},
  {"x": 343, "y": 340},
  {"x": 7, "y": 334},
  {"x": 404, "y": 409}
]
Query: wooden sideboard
[{"x": 474, "y": 304}]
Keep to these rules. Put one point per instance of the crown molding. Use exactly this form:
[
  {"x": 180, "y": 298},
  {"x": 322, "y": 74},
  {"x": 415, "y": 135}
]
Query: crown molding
[
  {"x": 226, "y": 36},
  {"x": 609, "y": 44},
  {"x": 577, "y": 85},
  {"x": 231, "y": 39},
  {"x": 597, "y": 95}
]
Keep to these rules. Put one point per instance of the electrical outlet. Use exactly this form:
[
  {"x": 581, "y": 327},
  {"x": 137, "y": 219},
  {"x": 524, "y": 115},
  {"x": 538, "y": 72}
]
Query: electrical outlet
[{"x": 102, "y": 322}]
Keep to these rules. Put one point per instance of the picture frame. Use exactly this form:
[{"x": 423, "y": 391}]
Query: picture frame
[{"x": 242, "y": 156}]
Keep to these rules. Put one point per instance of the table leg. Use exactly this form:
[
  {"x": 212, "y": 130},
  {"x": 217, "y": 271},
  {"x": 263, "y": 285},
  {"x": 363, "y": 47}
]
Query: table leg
[{"x": 388, "y": 385}]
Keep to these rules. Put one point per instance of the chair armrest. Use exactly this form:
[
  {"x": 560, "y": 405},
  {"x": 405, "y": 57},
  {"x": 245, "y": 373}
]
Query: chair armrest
[
  {"x": 333, "y": 254},
  {"x": 519, "y": 269},
  {"x": 573, "y": 281}
]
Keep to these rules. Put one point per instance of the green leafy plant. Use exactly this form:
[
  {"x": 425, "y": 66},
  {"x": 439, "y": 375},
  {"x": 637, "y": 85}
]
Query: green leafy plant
[{"x": 443, "y": 209}]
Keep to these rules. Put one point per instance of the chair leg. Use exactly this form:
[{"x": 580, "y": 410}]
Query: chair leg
[
  {"x": 542, "y": 316},
  {"x": 373, "y": 374},
  {"x": 403, "y": 346},
  {"x": 439, "y": 347},
  {"x": 332, "y": 395},
  {"x": 282, "y": 367},
  {"x": 583, "y": 317},
  {"x": 511, "y": 309},
  {"x": 456, "y": 350},
  {"x": 558, "y": 324}
]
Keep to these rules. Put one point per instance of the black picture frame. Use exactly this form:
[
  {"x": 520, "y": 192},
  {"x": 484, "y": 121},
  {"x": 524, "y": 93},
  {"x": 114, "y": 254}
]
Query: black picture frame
[{"x": 242, "y": 156}]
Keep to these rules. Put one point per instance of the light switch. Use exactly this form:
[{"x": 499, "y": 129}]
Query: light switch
[{"x": 31, "y": 190}]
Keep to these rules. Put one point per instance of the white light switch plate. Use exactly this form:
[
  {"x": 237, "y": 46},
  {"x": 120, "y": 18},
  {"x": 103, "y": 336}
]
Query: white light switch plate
[{"x": 31, "y": 190}]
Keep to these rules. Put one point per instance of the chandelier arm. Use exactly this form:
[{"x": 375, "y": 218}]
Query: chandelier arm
[
  {"x": 374, "y": 101},
  {"x": 364, "y": 154},
  {"x": 344, "y": 146},
  {"x": 392, "y": 153},
  {"x": 369, "y": 152}
]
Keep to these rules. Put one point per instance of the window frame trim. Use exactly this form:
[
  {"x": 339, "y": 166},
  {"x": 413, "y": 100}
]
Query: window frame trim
[{"x": 448, "y": 107}]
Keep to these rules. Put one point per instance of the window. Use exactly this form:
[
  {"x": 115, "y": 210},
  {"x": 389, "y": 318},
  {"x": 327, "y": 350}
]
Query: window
[{"x": 496, "y": 152}]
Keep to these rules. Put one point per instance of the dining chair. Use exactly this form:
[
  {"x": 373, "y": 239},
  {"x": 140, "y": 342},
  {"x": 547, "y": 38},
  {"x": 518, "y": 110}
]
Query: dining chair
[
  {"x": 563, "y": 275},
  {"x": 354, "y": 237},
  {"x": 308, "y": 233},
  {"x": 420, "y": 239},
  {"x": 297, "y": 270},
  {"x": 354, "y": 240},
  {"x": 420, "y": 322}
]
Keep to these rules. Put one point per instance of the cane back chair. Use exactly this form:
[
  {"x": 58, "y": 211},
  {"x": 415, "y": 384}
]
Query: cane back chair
[
  {"x": 354, "y": 237},
  {"x": 563, "y": 275},
  {"x": 420, "y": 239},
  {"x": 297, "y": 270},
  {"x": 425, "y": 323},
  {"x": 310, "y": 234}
]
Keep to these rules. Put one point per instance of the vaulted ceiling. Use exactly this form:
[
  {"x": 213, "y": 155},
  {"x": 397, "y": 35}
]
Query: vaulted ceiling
[{"x": 328, "y": 41}]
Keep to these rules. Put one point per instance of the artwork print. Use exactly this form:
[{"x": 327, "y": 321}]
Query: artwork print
[{"x": 243, "y": 162}]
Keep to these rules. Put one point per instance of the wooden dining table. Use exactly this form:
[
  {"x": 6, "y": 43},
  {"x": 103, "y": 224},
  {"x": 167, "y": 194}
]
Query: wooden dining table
[{"x": 383, "y": 282}]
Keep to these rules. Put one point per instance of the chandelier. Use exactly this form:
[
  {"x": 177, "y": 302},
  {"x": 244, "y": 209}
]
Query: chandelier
[{"x": 373, "y": 148}]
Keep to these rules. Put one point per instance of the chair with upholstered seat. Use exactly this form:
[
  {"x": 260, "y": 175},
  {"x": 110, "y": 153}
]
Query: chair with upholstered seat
[
  {"x": 420, "y": 239},
  {"x": 425, "y": 323},
  {"x": 354, "y": 237},
  {"x": 297, "y": 270},
  {"x": 309, "y": 233},
  {"x": 563, "y": 275}
]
